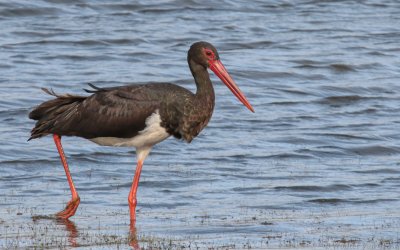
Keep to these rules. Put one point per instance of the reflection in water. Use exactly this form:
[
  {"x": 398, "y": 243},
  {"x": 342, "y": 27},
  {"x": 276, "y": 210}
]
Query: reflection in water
[
  {"x": 72, "y": 230},
  {"x": 73, "y": 233},
  {"x": 69, "y": 226}
]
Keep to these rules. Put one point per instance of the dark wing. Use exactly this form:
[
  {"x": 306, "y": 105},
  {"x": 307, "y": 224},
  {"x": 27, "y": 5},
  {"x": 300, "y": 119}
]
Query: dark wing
[
  {"x": 110, "y": 112},
  {"x": 119, "y": 112}
]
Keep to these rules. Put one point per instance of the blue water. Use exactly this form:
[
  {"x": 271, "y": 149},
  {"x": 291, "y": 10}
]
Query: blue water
[{"x": 317, "y": 165}]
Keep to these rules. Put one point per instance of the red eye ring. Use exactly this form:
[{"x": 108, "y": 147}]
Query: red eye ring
[{"x": 209, "y": 53}]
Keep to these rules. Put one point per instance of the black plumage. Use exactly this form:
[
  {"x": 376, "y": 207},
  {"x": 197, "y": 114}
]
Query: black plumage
[{"x": 120, "y": 112}]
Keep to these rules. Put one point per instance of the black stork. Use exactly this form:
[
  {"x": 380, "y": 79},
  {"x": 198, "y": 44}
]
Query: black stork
[{"x": 137, "y": 116}]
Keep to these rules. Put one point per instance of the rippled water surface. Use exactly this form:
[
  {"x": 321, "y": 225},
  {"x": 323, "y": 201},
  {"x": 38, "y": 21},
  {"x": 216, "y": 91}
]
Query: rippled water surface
[{"x": 317, "y": 165}]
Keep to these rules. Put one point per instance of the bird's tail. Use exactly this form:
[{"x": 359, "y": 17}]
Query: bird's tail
[{"x": 46, "y": 113}]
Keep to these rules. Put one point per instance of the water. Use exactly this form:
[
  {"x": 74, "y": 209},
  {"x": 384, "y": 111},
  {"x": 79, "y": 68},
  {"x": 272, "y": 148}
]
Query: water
[{"x": 317, "y": 165}]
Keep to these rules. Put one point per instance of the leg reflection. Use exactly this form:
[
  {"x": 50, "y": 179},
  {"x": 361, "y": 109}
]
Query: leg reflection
[
  {"x": 72, "y": 230},
  {"x": 69, "y": 226}
]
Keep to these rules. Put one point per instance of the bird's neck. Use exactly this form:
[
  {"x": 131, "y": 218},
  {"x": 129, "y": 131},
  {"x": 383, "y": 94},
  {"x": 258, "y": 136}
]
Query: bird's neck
[{"x": 205, "y": 89}]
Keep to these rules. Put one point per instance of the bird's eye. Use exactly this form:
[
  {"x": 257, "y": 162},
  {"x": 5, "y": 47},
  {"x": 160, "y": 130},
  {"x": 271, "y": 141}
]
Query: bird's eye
[{"x": 209, "y": 54}]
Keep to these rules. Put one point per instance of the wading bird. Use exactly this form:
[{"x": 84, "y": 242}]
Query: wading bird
[{"x": 137, "y": 116}]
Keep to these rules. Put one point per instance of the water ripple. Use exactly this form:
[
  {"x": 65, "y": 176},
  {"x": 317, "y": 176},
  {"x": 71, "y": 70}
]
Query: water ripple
[{"x": 321, "y": 75}]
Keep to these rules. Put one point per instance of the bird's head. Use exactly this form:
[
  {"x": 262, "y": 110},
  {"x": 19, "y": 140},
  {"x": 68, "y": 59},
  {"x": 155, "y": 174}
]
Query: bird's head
[{"x": 206, "y": 55}]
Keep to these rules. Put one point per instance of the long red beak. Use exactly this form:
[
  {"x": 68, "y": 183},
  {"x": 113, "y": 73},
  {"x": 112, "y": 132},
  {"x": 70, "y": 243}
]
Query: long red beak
[{"x": 218, "y": 68}]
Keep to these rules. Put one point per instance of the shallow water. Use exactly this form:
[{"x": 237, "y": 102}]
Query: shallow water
[{"x": 317, "y": 165}]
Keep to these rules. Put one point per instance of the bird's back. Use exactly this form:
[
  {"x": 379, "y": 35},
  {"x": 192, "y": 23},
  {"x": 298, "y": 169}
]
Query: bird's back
[{"x": 109, "y": 112}]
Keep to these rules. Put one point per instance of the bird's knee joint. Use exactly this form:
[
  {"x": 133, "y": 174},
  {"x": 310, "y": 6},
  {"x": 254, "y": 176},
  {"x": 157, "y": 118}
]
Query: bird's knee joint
[
  {"x": 132, "y": 201},
  {"x": 77, "y": 199}
]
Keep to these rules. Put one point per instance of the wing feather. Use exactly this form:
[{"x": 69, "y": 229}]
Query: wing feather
[{"x": 110, "y": 112}]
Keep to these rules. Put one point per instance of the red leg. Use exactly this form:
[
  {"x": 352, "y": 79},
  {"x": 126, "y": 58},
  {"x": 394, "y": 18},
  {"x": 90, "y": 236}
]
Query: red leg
[
  {"x": 133, "y": 239},
  {"x": 132, "y": 194},
  {"x": 73, "y": 204},
  {"x": 141, "y": 155}
]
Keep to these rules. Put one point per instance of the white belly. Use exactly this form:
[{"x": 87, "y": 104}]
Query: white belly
[{"x": 152, "y": 134}]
